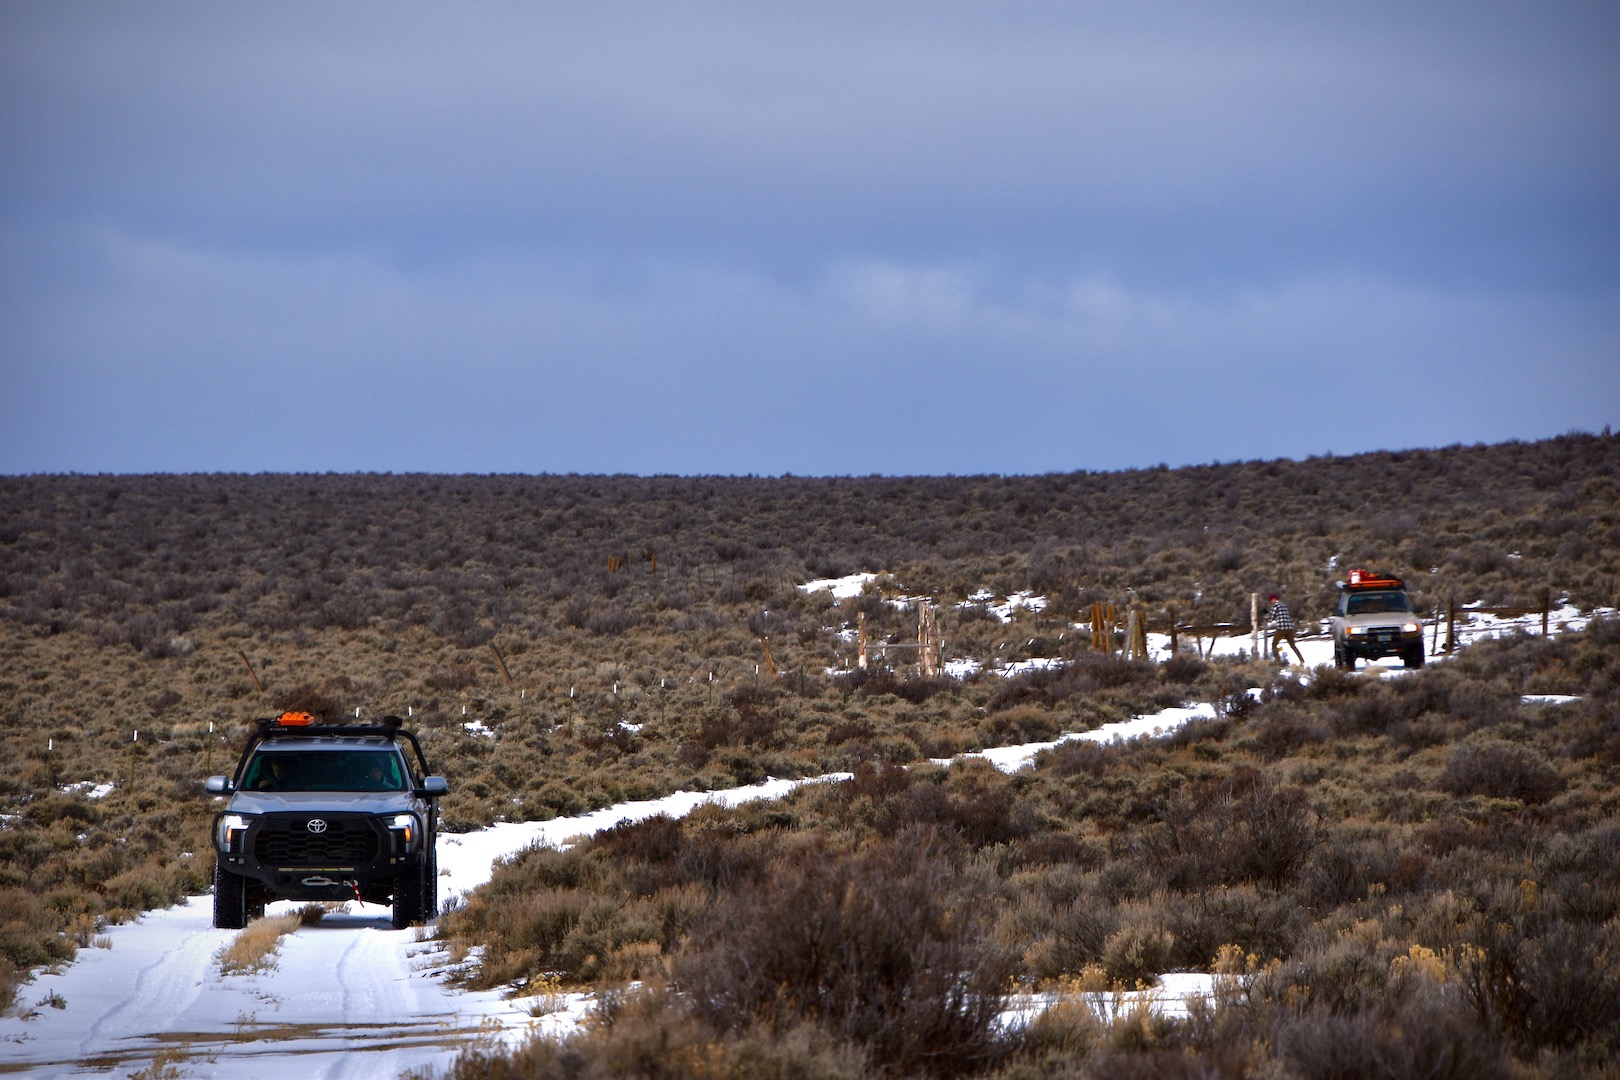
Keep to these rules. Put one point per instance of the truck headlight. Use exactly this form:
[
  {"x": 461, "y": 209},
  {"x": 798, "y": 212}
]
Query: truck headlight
[
  {"x": 229, "y": 830},
  {"x": 1357, "y": 631},
  {"x": 1410, "y": 628},
  {"x": 404, "y": 826}
]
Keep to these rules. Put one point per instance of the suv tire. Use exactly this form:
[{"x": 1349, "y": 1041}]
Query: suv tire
[
  {"x": 410, "y": 888},
  {"x": 430, "y": 886},
  {"x": 230, "y": 899}
]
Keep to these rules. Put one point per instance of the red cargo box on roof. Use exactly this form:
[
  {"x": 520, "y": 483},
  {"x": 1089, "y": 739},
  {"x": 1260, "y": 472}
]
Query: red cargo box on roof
[{"x": 1365, "y": 579}]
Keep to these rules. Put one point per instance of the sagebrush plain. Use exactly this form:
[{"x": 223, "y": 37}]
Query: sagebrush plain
[{"x": 1416, "y": 874}]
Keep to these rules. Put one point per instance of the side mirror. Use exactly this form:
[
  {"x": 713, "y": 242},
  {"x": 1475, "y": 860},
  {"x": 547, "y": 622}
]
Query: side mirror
[
  {"x": 217, "y": 785},
  {"x": 434, "y": 786}
]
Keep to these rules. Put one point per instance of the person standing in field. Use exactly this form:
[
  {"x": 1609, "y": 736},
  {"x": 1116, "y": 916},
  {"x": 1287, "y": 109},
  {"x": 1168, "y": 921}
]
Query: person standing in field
[{"x": 1280, "y": 621}]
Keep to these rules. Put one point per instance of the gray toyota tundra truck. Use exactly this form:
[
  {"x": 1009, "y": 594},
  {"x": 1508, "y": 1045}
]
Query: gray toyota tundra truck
[{"x": 327, "y": 812}]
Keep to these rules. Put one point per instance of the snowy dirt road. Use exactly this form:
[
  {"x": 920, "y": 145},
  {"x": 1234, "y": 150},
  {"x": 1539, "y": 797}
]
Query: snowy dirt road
[{"x": 348, "y": 998}]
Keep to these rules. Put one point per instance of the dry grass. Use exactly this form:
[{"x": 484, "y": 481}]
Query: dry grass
[{"x": 253, "y": 949}]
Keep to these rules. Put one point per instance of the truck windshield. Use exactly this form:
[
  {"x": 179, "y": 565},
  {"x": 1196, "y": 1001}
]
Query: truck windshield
[
  {"x": 1379, "y": 603},
  {"x": 324, "y": 770}
]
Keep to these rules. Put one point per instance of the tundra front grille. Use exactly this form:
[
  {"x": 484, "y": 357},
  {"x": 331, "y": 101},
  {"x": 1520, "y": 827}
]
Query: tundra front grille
[{"x": 341, "y": 843}]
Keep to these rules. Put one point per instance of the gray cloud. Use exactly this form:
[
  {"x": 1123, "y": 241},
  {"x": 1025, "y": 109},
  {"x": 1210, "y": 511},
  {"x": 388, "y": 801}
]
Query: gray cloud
[{"x": 711, "y": 237}]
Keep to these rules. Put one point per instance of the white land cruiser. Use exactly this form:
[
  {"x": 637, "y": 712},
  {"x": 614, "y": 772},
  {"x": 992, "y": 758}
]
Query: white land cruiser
[{"x": 1374, "y": 618}]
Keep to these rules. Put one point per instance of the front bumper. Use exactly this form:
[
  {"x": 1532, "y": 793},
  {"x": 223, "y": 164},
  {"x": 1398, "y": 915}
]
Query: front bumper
[
  {"x": 316, "y": 855},
  {"x": 1381, "y": 641}
]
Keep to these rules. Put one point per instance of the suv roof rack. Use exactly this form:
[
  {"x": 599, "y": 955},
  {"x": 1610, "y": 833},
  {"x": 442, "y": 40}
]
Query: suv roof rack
[
  {"x": 302, "y": 725},
  {"x": 1365, "y": 579}
]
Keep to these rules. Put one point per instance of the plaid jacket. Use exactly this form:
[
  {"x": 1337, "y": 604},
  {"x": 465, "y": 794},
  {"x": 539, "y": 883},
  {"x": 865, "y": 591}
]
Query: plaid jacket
[{"x": 1279, "y": 617}]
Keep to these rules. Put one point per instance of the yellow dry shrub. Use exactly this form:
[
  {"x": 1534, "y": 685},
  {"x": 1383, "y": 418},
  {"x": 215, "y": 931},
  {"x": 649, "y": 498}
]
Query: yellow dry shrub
[{"x": 254, "y": 948}]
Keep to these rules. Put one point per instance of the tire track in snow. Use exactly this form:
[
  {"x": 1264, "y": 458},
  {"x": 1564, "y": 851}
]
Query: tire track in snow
[
  {"x": 164, "y": 988},
  {"x": 373, "y": 979}
]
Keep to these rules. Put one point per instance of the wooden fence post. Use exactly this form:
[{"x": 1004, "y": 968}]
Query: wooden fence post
[
  {"x": 1254, "y": 623},
  {"x": 501, "y": 663},
  {"x": 257, "y": 685},
  {"x": 1135, "y": 634},
  {"x": 928, "y": 644}
]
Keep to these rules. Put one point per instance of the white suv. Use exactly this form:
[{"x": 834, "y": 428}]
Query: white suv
[{"x": 1374, "y": 618}]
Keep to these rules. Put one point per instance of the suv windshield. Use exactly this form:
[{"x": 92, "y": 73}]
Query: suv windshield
[
  {"x": 1379, "y": 603},
  {"x": 324, "y": 770}
]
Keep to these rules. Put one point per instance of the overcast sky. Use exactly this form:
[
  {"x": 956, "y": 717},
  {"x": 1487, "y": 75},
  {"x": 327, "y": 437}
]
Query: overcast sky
[{"x": 957, "y": 236}]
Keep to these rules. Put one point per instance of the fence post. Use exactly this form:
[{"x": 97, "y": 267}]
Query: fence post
[
  {"x": 501, "y": 662},
  {"x": 1254, "y": 623},
  {"x": 257, "y": 685},
  {"x": 1135, "y": 633},
  {"x": 133, "y": 742},
  {"x": 928, "y": 645}
]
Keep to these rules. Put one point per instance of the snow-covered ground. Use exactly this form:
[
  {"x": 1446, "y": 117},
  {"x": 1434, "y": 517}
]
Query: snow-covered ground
[{"x": 352, "y": 998}]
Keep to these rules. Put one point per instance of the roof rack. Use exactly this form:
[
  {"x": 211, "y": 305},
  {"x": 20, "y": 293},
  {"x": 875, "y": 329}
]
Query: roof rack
[
  {"x": 1366, "y": 579},
  {"x": 302, "y": 725}
]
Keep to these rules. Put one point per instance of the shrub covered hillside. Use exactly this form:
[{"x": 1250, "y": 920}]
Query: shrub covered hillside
[
  {"x": 604, "y": 635},
  {"x": 1415, "y": 877}
]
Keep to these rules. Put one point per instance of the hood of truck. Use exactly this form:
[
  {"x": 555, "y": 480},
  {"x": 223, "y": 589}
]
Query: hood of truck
[
  {"x": 331, "y": 802},
  {"x": 1379, "y": 618}
]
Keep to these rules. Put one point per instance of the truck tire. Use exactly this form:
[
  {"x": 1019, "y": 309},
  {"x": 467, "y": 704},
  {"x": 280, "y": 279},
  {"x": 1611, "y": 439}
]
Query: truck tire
[
  {"x": 230, "y": 899},
  {"x": 1413, "y": 658},
  {"x": 409, "y": 890},
  {"x": 1342, "y": 657},
  {"x": 430, "y": 886}
]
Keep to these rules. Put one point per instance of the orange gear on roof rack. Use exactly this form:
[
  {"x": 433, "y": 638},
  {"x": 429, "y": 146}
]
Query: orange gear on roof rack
[
  {"x": 1365, "y": 579},
  {"x": 295, "y": 719}
]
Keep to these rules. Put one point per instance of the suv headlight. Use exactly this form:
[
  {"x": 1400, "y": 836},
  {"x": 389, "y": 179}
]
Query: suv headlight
[
  {"x": 1411, "y": 627},
  {"x": 229, "y": 830},
  {"x": 1357, "y": 631},
  {"x": 406, "y": 829}
]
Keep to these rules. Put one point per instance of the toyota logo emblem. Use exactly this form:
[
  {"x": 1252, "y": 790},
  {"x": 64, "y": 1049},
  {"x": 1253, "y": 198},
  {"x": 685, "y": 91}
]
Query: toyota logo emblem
[{"x": 316, "y": 825}]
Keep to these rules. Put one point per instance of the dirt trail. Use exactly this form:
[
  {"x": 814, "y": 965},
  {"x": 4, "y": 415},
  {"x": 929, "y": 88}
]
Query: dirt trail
[{"x": 347, "y": 999}]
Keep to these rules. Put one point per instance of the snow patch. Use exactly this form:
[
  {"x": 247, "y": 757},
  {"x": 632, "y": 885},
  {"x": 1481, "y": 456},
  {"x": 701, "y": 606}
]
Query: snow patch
[
  {"x": 844, "y": 588},
  {"x": 89, "y": 789}
]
